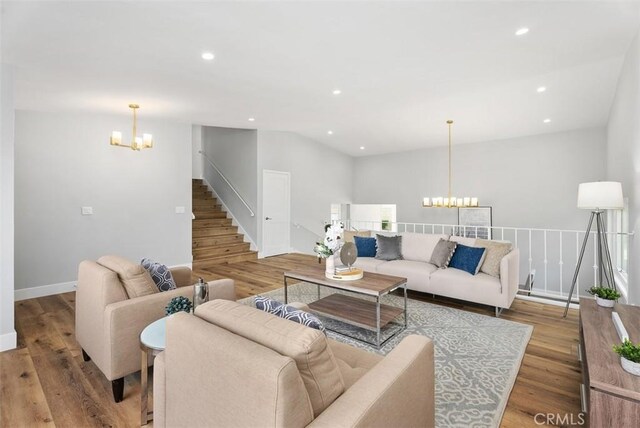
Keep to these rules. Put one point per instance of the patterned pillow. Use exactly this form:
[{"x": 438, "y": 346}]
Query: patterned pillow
[
  {"x": 267, "y": 304},
  {"x": 301, "y": 317},
  {"x": 160, "y": 274}
]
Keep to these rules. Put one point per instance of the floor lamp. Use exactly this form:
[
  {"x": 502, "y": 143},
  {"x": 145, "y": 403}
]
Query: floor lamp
[{"x": 598, "y": 197}]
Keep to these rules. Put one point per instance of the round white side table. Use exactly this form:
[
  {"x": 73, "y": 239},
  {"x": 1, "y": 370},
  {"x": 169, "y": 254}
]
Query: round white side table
[{"x": 152, "y": 341}]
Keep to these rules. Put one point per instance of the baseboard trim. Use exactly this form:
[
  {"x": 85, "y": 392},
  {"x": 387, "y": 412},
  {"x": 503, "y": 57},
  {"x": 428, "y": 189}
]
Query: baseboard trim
[
  {"x": 44, "y": 290},
  {"x": 8, "y": 341}
]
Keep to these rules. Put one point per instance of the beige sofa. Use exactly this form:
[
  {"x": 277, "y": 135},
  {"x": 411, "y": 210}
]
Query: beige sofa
[
  {"x": 109, "y": 323},
  {"x": 425, "y": 277},
  {"x": 231, "y": 365}
]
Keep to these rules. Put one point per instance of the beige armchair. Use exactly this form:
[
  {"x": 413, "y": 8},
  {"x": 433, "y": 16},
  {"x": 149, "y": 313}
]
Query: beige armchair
[
  {"x": 109, "y": 322},
  {"x": 231, "y": 365}
]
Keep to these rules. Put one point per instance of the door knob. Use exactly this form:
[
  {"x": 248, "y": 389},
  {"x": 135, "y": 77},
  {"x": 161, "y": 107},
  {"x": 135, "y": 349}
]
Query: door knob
[{"x": 268, "y": 218}]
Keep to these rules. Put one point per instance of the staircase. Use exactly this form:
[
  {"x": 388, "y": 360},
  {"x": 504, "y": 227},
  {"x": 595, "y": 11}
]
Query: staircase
[{"x": 214, "y": 239}]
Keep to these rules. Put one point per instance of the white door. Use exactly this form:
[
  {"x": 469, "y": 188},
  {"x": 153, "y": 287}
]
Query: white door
[{"x": 276, "y": 213}]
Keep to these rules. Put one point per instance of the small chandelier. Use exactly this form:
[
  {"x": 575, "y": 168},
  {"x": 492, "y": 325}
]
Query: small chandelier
[
  {"x": 137, "y": 143},
  {"x": 450, "y": 201}
]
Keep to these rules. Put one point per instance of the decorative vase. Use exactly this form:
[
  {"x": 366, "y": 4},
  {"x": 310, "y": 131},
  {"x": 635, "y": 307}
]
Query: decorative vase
[
  {"x": 605, "y": 303},
  {"x": 330, "y": 266},
  {"x": 200, "y": 293},
  {"x": 630, "y": 366}
]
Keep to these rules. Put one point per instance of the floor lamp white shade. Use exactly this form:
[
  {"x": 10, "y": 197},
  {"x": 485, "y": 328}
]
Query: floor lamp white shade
[{"x": 600, "y": 195}]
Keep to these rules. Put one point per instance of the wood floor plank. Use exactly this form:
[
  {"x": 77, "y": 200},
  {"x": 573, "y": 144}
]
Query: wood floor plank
[
  {"x": 61, "y": 388},
  {"x": 23, "y": 402}
]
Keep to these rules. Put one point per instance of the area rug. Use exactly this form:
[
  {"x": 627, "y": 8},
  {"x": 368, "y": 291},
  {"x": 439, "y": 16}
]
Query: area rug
[{"x": 477, "y": 357}]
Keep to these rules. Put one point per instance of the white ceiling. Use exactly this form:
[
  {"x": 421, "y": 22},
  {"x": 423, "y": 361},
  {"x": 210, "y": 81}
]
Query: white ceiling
[{"x": 404, "y": 68}]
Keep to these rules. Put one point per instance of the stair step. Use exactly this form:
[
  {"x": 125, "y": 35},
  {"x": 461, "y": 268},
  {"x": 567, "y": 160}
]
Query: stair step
[
  {"x": 198, "y": 195},
  {"x": 209, "y": 203},
  {"x": 210, "y": 222},
  {"x": 221, "y": 250},
  {"x": 214, "y": 231},
  {"x": 197, "y": 180},
  {"x": 232, "y": 258},
  {"x": 200, "y": 215},
  {"x": 209, "y": 241}
]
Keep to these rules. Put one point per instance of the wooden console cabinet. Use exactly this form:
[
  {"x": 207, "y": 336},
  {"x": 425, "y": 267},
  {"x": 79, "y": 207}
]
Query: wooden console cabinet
[{"x": 610, "y": 396}]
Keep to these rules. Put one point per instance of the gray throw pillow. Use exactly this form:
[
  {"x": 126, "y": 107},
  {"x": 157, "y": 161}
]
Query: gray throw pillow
[
  {"x": 388, "y": 247},
  {"x": 443, "y": 252}
]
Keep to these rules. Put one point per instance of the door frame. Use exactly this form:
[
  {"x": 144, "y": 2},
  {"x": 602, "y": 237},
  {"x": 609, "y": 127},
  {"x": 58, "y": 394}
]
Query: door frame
[{"x": 265, "y": 172}]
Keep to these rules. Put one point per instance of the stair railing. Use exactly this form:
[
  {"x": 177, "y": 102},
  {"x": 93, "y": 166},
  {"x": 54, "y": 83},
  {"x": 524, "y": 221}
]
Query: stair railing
[{"x": 228, "y": 182}]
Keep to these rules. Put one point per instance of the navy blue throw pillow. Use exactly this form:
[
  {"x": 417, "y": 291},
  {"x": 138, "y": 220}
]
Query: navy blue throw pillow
[
  {"x": 468, "y": 259},
  {"x": 366, "y": 246}
]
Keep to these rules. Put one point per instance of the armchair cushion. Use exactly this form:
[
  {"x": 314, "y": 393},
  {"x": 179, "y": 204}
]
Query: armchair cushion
[
  {"x": 135, "y": 279},
  {"x": 306, "y": 346},
  {"x": 160, "y": 274}
]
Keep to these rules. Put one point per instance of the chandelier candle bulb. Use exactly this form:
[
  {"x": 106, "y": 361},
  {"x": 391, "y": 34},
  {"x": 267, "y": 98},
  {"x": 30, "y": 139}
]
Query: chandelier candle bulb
[
  {"x": 147, "y": 141},
  {"x": 474, "y": 202},
  {"x": 116, "y": 138},
  {"x": 426, "y": 202},
  {"x": 467, "y": 202}
]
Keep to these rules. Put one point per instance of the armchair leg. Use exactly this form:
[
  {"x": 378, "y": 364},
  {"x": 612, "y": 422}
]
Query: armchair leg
[
  {"x": 85, "y": 356},
  {"x": 117, "y": 386}
]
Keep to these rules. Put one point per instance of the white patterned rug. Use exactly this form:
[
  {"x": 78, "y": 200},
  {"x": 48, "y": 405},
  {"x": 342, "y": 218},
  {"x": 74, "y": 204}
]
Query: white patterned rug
[{"x": 477, "y": 357}]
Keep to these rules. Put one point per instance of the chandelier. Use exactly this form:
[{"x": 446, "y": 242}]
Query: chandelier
[
  {"x": 449, "y": 201},
  {"x": 137, "y": 143}
]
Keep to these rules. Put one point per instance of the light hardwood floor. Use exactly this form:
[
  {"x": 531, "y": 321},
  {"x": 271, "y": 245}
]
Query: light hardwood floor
[{"x": 45, "y": 382}]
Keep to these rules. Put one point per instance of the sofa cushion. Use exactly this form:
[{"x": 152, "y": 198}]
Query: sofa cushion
[
  {"x": 161, "y": 275},
  {"x": 442, "y": 253},
  {"x": 415, "y": 272},
  {"x": 480, "y": 288},
  {"x": 135, "y": 279},
  {"x": 350, "y": 234},
  {"x": 495, "y": 252},
  {"x": 468, "y": 259},
  {"x": 388, "y": 247},
  {"x": 366, "y": 246},
  {"x": 368, "y": 264},
  {"x": 306, "y": 346},
  {"x": 419, "y": 246}
]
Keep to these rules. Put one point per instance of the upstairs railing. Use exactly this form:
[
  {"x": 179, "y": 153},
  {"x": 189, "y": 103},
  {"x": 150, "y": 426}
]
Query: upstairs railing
[
  {"x": 548, "y": 257},
  {"x": 231, "y": 186}
]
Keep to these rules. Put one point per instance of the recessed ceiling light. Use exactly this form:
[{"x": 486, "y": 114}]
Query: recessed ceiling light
[
  {"x": 337, "y": 92},
  {"x": 541, "y": 89},
  {"x": 522, "y": 31},
  {"x": 547, "y": 120},
  {"x": 330, "y": 132},
  {"x": 208, "y": 56},
  {"x": 361, "y": 147},
  {"x": 251, "y": 119}
]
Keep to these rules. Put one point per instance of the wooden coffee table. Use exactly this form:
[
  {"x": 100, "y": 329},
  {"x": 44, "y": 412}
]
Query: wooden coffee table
[{"x": 369, "y": 315}]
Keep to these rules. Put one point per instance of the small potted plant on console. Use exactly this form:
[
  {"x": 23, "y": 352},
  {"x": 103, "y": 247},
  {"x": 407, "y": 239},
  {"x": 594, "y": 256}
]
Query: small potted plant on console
[
  {"x": 629, "y": 356},
  {"x": 605, "y": 297}
]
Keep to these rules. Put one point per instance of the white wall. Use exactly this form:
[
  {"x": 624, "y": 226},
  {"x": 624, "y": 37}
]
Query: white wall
[
  {"x": 197, "y": 161},
  {"x": 623, "y": 153},
  {"x": 64, "y": 161},
  {"x": 320, "y": 176},
  {"x": 7, "y": 331},
  {"x": 234, "y": 152},
  {"x": 529, "y": 182}
]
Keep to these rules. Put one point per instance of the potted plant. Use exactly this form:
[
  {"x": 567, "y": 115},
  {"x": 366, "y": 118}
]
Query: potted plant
[
  {"x": 330, "y": 246},
  {"x": 605, "y": 297},
  {"x": 629, "y": 356}
]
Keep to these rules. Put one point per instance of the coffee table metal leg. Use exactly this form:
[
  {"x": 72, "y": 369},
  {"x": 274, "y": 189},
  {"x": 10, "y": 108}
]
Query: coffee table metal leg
[
  {"x": 318, "y": 291},
  {"x": 144, "y": 378},
  {"x": 378, "y": 319},
  {"x": 285, "y": 290},
  {"x": 405, "y": 305}
]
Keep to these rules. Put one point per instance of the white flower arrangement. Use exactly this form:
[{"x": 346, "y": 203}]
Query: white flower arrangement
[{"x": 332, "y": 241}]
